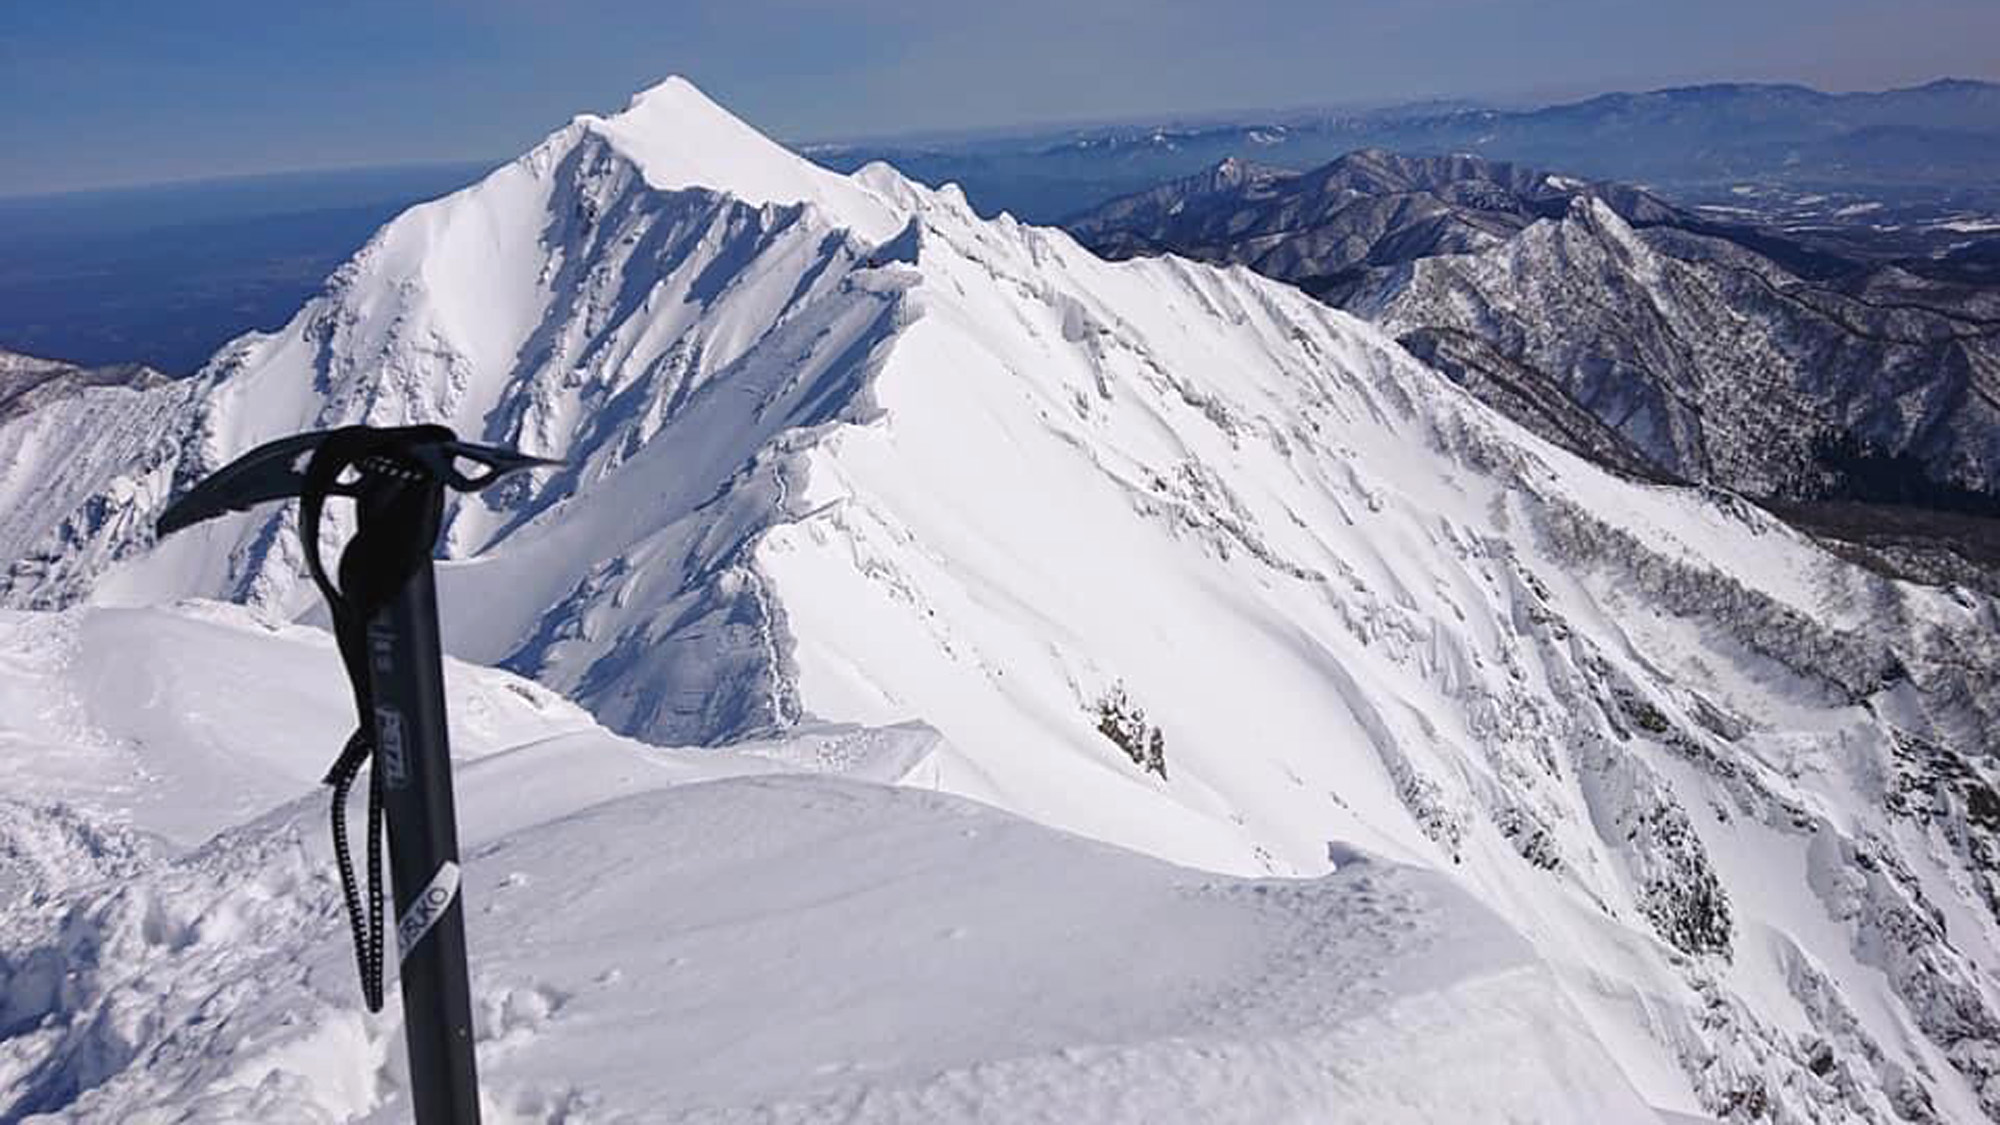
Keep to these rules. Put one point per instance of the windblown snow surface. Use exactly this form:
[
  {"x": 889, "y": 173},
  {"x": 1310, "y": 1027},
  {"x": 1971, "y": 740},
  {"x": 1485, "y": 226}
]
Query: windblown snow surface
[
  {"x": 697, "y": 936},
  {"x": 1456, "y": 778}
]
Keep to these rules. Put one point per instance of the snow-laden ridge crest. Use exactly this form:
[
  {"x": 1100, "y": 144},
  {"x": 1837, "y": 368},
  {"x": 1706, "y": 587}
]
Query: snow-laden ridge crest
[
  {"x": 962, "y": 472},
  {"x": 682, "y": 139}
]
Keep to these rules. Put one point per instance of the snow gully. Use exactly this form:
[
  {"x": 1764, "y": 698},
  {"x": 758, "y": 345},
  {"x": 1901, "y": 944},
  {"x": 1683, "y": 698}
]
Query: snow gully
[{"x": 384, "y": 608}]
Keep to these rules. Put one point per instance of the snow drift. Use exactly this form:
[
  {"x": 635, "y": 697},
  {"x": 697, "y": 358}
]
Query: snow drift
[{"x": 803, "y": 947}]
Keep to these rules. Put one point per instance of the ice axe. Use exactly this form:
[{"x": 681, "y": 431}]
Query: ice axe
[{"x": 384, "y": 609}]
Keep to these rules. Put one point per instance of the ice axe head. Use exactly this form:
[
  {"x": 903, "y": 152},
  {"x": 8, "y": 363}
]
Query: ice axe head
[{"x": 349, "y": 460}]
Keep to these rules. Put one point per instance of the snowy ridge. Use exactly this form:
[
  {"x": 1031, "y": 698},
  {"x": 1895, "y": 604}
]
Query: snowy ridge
[{"x": 842, "y": 452}]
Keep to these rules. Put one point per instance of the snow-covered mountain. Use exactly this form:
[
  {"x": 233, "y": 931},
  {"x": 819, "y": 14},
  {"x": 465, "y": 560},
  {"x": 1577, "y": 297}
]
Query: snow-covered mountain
[
  {"x": 1645, "y": 336},
  {"x": 27, "y": 382},
  {"x": 1718, "y": 364},
  {"x": 1168, "y": 555},
  {"x": 1324, "y": 230}
]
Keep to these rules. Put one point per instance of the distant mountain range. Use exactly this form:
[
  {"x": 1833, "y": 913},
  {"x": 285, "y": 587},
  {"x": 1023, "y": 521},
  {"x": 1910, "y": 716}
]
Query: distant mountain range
[
  {"x": 1325, "y": 229},
  {"x": 1686, "y": 141},
  {"x": 1646, "y": 336}
]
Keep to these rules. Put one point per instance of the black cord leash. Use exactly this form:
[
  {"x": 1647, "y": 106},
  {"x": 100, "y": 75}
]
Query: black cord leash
[
  {"x": 384, "y": 609},
  {"x": 366, "y": 922}
]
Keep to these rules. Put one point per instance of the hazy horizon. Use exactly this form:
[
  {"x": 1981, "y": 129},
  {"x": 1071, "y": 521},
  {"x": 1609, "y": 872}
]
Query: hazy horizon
[
  {"x": 1000, "y": 131},
  {"x": 96, "y": 96}
]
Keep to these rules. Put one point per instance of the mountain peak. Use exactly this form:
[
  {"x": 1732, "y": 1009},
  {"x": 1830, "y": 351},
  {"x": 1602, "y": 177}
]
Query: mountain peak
[
  {"x": 681, "y": 138},
  {"x": 677, "y": 101}
]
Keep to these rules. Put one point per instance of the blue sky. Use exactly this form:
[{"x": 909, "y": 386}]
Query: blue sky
[{"x": 94, "y": 92}]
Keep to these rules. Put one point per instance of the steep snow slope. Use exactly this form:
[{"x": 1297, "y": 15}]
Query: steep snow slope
[
  {"x": 1358, "y": 607},
  {"x": 825, "y": 466},
  {"x": 771, "y": 948},
  {"x": 46, "y": 407}
]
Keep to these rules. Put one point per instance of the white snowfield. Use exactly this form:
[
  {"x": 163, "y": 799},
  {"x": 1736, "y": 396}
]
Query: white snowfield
[
  {"x": 859, "y": 481},
  {"x": 696, "y": 936}
]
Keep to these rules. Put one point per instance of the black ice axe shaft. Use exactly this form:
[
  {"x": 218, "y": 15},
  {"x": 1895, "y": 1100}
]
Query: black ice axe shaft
[
  {"x": 413, "y": 759},
  {"x": 385, "y": 618}
]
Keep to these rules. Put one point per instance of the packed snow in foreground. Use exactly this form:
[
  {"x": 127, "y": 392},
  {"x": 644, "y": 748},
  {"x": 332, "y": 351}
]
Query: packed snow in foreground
[{"x": 693, "y": 936}]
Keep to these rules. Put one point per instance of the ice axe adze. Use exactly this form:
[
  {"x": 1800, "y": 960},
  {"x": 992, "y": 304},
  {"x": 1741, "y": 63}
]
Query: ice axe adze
[{"x": 384, "y": 610}]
